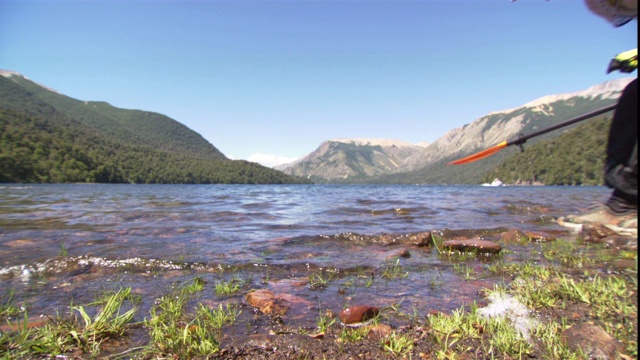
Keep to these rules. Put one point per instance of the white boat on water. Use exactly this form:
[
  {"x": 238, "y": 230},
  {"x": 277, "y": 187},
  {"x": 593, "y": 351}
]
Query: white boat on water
[{"x": 495, "y": 182}]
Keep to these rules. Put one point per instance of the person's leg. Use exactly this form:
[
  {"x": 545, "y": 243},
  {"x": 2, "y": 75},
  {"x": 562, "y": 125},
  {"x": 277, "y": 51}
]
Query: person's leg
[{"x": 621, "y": 167}]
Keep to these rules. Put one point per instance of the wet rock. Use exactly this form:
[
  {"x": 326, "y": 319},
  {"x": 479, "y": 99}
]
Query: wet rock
[
  {"x": 20, "y": 243},
  {"x": 33, "y": 322},
  {"x": 378, "y": 331},
  {"x": 358, "y": 314},
  {"x": 600, "y": 234},
  {"x": 593, "y": 341},
  {"x": 623, "y": 264},
  {"x": 278, "y": 304},
  {"x": 539, "y": 237},
  {"x": 594, "y": 233},
  {"x": 282, "y": 285},
  {"x": 261, "y": 341},
  {"x": 266, "y": 301},
  {"x": 414, "y": 239},
  {"x": 400, "y": 253},
  {"x": 515, "y": 235},
  {"x": 471, "y": 245},
  {"x": 420, "y": 239}
]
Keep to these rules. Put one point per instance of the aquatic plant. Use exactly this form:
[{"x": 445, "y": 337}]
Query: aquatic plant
[
  {"x": 220, "y": 316},
  {"x": 320, "y": 280},
  {"x": 63, "y": 250},
  {"x": 108, "y": 322},
  {"x": 7, "y": 307},
  {"x": 174, "y": 332},
  {"x": 324, "y": 321},
  {"x": 64, "y": 333},
  {"x": 398, "y": 344},
  {"x": 350, "y": 334},
  {"x": 227, "y": 287},
  {"x": 393, "y": 270}
]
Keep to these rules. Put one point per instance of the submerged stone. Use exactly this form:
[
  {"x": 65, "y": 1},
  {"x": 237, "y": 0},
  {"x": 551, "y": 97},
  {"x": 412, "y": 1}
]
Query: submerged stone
[
  {"x": 266, "y": 301},
  {"x": 515, "y": 235},
  {"x": 593, "y": 341},
  {"x": 399, "y": 253},
  {"x": 472, "y": 245}
]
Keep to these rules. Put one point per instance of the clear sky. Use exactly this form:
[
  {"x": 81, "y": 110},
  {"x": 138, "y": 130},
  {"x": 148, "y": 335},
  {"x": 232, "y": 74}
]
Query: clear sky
[{"x": 273, "y": 79}]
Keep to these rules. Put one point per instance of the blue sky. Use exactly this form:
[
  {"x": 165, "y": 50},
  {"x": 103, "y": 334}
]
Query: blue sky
[{"x": 273, "y": 79}]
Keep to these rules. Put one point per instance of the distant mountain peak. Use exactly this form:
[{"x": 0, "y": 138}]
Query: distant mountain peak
[
  {"x": 375, "y": 142},
  {"x": 610, "y": 89},
  {"x": 10, "y": 73}
]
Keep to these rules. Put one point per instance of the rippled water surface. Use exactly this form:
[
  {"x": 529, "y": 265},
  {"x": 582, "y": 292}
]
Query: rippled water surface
[{"x": 56, "y": 241}]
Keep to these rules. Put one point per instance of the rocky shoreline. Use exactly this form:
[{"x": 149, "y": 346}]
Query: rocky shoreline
[{"x": 574, "y": 295}]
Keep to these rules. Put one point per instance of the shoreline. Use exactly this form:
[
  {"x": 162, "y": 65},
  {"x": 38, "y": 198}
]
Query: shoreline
[{"x": 578, "y": 283}]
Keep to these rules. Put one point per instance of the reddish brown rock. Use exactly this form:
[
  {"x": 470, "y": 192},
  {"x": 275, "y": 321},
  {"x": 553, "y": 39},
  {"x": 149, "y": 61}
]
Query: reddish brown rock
[
  {"x": 420, "y": 239},
  {"x": 598, "y": 233},
  {"x": 594, "y": 233},
  {"x": 539, "y": 237},
  {"x": 270, "y": 303},
  {"x": 266, "y": 301},
  {"x": 593, "y": 341},
  {"x": 400, "y": 253},
  {"x": 472, "y": 245},
  {"x": 378, "y": 331},
  {"x": 36, "y": 322},
  {"x": 515, "y": 235},
  {"x": 357, "y": 314}
]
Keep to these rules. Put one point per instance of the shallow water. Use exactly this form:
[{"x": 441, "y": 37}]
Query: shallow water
[{"x": 67, "y": 243}]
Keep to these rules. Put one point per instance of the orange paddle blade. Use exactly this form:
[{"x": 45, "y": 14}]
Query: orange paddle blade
[{"x": 480, "y": 155}]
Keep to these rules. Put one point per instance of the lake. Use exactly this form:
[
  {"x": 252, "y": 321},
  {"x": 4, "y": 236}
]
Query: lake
[{"x": 68, "y": 243}]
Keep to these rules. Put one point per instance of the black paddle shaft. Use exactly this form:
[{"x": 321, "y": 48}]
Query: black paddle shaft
[{"x": 522, "y": 139}]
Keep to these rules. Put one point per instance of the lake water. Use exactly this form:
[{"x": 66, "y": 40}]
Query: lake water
[{"x": 67, "y": 243}]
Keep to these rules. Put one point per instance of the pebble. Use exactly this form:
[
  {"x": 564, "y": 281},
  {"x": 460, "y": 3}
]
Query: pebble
[{"x": 358, "y": 314}]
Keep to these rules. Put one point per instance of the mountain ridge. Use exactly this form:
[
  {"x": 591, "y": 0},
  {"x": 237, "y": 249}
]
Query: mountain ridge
[{"x": 428, "y": 164}]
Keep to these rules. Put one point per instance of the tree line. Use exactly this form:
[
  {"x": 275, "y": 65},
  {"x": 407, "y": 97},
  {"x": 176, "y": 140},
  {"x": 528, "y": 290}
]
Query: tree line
[
  {"x": 575, "y": 157},
  {"x": 37, "y": 149}
]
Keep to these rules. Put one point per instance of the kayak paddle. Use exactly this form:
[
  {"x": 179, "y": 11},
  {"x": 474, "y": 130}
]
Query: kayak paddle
[{"x": 522, "y": 139}]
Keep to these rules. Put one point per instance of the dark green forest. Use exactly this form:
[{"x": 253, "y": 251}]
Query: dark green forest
[
  {"x": 575, "y": 157},
  {"x": 46, "y": 137}
]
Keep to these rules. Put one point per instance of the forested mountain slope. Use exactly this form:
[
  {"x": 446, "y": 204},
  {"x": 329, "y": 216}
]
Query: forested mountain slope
[
  {"x": 49, "y": 137},
  {"x": 575, "y": 157}
]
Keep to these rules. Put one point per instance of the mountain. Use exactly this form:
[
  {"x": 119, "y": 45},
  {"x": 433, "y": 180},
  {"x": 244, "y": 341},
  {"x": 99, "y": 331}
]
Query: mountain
[
  {"x": 50, "y": 137},
  {"x": 352, "y": 160},
  {"x": 428, "y": 165}
]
